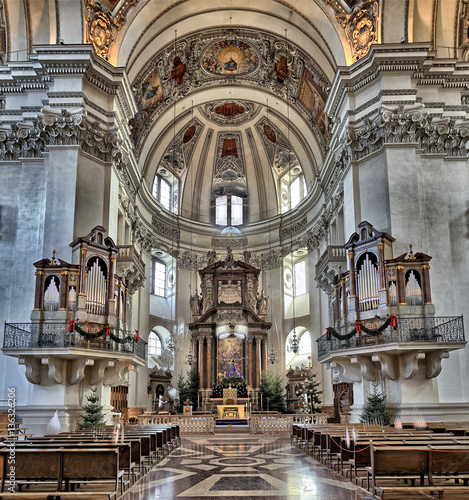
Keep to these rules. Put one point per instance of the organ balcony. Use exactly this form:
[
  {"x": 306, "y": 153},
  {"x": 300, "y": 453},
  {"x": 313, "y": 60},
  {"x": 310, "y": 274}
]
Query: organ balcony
[
  {"x": 47, "y": 348},
  {"x": 80, "y": 324},
  {"x": 383, "y": 316},
  {"x": 399, "y": 351}
]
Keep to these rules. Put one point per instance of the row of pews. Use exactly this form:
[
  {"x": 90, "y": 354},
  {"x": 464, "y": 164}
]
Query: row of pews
[
  {"x": 390, "y": 462},
  {"x": 85, "y": 464}
]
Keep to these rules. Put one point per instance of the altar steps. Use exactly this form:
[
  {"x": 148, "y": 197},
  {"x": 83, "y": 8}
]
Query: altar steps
[{"x": 232, "y": 425}]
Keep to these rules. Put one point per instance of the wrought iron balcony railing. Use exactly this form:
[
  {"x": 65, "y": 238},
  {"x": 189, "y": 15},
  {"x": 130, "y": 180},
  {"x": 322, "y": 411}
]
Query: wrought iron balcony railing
[
  {"x": 434, "y": 330},
  {"x": 56, "y": 335}
]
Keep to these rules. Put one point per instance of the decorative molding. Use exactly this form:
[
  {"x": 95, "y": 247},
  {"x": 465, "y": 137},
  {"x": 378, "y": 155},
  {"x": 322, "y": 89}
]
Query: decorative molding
[
  {"x": 292, "y": 229},
  {"x": 230, "y": 113},
  {"x": 165, "y": 230},
  {"x": 433, "y": 362},
  {"x": 190, "y": 51},
  {"x": 277, "y": 147},
  {"x": 388, "y": 364},
  {"x": 345, "y": 371},
  {"x": 178, "y": 154},
  {"x": 117, "y": 374},
  {"x": 102, "y": 27},
  {"x": 360, "y": 24},
  {"x": 411, "y": 363},
  {"x": 77, "y": 369},
  {"x": 33, "y": 369},
  {"x": 54, "y": 369},
  {"x": 367, "y": 368},
  {"x": 222, "y": 243},
  {"x": 98, "y": 369}
]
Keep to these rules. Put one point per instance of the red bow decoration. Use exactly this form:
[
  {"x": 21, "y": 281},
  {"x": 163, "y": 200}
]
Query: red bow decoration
[
  {"x": 328, "y": 332},
  {"x": 393, "y": 321},
  {"x": 108, "y": 331},
  {"x": 71, "y": 325},
  {"x": 358, "y": 327},
  {"x": 136, "y": 336}
]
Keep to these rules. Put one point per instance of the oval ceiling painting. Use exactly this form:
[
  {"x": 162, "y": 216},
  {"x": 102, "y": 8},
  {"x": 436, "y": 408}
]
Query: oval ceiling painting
[{"x": 230, "y": 57}]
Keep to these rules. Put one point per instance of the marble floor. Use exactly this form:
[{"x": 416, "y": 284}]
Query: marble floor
[{"x": 230, "y": 466}]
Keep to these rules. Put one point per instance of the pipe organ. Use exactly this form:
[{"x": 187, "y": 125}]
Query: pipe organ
[
  {"x": 376, "y": 284},
  {"x": 88, "y": 291},
  {"x": 368, "y": 284},
  {"x": 96, "y": 288}
]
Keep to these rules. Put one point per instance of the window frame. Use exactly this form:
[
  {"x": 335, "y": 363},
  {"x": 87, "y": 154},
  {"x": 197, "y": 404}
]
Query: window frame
[
  {"x": 157, "y": 344},
  {"x": 296, "y": 293},
  {"x": 162, "y": 195},
  {"x": 156, "y": 263},
  {"x": 239, "y": 204}
]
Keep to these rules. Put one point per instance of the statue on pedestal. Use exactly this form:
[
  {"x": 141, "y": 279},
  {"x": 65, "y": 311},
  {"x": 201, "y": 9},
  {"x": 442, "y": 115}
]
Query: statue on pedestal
[
  {"x": 263, "y": 303},
  {"x": 196, "y": 303}
]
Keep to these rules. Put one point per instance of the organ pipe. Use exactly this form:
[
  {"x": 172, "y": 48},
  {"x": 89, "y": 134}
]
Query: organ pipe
[
  {"x": 368, "y": 285},
  {"x": 413, "y": 292},
  {"x": 96, "y": 290}
]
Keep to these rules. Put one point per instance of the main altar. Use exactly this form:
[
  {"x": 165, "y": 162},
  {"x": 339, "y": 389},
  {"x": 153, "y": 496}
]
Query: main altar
[{"x": 229, "y": 331}]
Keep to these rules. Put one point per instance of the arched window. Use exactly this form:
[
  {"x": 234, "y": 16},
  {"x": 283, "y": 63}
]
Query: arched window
[
  {"x": 229, "y": 210},
  {"x": 293, "y": 189},
  {"x": 154, "y": 344},
  {"x": 159, "y": 278},
  {"x": 305, "y": 348},
  {"x": 162, "y": 191},
  {"x": 300, "y": 278}
]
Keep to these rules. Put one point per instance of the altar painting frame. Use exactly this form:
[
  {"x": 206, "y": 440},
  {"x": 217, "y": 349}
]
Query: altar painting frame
[{"x": 230, "y": 349}]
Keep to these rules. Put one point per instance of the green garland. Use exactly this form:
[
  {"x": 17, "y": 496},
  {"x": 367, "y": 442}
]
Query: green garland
[
  {"x": 332, "y": 331},
  {"x": 93, "y": 336}
]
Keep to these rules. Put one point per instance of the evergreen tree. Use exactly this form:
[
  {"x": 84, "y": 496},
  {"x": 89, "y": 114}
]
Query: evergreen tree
[
  {"x": 273, "y": 398},
  {"x": 375, "y": 410},
  {"x": 183, "y": 391},
  {"x": 93, "y": 416},
  {"x": 193, "y": 385},
  {"x": 189, "y": 389},
  {"x": 309, "y": 395}
]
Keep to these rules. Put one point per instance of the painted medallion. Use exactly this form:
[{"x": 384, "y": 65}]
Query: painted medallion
[{"x": 230, "y": 57}]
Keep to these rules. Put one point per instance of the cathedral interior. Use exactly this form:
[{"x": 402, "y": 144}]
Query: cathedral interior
[{"x": 234, "y": 188}]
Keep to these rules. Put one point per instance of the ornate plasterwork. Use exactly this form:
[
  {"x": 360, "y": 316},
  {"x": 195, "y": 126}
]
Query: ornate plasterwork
[
  {"x": 52, "y": 128},
  {"x": 366, "y": 140},
  {"x": 464, "y": 28},
  {"x": 360, "y": 24},
  {"x": 292, "y": 229},
  {"x": 232, "y": 114},
  {"x": 272, "y": 260},
  {"x": 229, "y": 175},
  {"x": 102, "y": 27},
  {"x": 222, "y": 243},
  {"x": 190, "y": 51},
  {"x": 277, "y": 147},
  {"x": 434, "y": 135},
  {"x": 179, "y": 152},
  {"x": 169, "y": 232}
]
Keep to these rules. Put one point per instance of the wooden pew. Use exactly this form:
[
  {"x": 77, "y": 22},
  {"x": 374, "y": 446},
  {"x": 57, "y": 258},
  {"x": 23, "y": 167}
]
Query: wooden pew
[
  {"x": 51, "y": 472},
  {"x": 83, "y": 466},
  {"x": 125, "y": 452}
]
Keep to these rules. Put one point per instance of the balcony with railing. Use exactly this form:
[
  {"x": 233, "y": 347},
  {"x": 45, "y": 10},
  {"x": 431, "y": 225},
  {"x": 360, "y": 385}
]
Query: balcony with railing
[
  {"x": 109, "y": 354},
  {"x": 414, "y": 332},
  {"x": 415, "y": 339},
  {"x": 25, "y": 337}
]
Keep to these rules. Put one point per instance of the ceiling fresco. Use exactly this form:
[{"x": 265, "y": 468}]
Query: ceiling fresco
[{"x": 236, "y": 56}]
